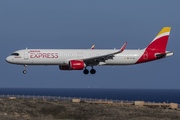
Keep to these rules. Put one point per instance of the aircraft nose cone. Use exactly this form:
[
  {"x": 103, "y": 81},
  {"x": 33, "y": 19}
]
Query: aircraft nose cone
[{"x": 8, "y": 59}]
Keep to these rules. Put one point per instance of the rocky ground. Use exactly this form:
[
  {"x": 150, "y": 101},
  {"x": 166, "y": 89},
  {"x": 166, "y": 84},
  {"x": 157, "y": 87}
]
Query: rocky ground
[{"x": 20, "y": 109}]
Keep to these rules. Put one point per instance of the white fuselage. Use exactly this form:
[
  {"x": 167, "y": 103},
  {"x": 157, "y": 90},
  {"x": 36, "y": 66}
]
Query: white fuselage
[{"x": 62, "y": 56}]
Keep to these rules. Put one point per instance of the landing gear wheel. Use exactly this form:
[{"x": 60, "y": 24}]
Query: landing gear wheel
[
  {"x": 93, "y": 71},
  {"x": 25, "y": 67},
  {"x": 86, "y": 71},
  {"x": 24, "y": 71}
]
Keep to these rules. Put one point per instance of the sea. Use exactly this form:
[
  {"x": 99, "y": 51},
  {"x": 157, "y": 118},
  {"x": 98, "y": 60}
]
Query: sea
[{"x": 151, "y": 95}]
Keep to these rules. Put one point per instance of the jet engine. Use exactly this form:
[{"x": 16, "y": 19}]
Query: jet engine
[
  {"x": 73, "y": 65},
  {"x": 76, "y": 65}
]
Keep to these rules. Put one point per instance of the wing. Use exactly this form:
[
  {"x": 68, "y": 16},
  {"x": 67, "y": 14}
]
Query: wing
[{"x": 95, "y": 60}]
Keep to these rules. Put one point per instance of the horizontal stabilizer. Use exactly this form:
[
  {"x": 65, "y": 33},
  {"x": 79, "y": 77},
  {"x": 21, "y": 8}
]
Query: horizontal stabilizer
[{"x": 162, "y": 55}]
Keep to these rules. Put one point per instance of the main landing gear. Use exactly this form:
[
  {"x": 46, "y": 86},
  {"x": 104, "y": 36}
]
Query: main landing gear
[
  {"x": 25, "y": 67},
  {"x": 92, "y": 71},
  {"x": 86, "y": 71}
]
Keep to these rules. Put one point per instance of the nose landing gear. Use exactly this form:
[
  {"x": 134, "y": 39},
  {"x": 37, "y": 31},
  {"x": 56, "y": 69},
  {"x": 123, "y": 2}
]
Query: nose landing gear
[{"x": 25, "y": 67}]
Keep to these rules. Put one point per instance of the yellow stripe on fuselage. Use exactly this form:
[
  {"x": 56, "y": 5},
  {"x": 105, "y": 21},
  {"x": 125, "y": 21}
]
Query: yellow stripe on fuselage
[{"x": 165, "y": 29}]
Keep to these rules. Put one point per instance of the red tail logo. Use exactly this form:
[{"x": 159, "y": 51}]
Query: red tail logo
[{"x": 158, "y": 45}]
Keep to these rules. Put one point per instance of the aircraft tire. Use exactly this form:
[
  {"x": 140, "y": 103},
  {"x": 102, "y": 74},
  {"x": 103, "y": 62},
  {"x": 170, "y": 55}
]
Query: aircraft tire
[
  {"x": 86, "y": 71},
  {"x": 24, "y": 71},
  {"x": 93, "y": 71}
]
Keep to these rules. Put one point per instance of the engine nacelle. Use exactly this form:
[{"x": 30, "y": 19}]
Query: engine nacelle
[
  {"x": 73, "y": 65},
  {"x": 76, "y": 65}
]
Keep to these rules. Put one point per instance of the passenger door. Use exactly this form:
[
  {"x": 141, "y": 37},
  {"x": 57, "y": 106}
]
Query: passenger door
[{"x": 26, "y": 54}]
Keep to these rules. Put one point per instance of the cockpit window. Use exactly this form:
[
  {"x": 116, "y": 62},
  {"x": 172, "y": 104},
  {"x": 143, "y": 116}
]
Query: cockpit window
[{"x": 15, "y": 54}]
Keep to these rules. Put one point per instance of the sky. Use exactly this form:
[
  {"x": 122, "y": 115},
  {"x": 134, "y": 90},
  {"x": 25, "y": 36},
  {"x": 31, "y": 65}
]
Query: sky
[{"x": 78, "y": 24}]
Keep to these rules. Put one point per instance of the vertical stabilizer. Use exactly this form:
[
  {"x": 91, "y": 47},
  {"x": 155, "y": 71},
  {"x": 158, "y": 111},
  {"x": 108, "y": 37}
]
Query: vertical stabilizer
[
  {"x": 157, "y": 46},
  {"x": 159, "y": 43}
]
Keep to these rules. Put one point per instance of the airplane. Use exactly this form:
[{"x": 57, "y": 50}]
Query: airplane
[{"x": 80, "y": 59}]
